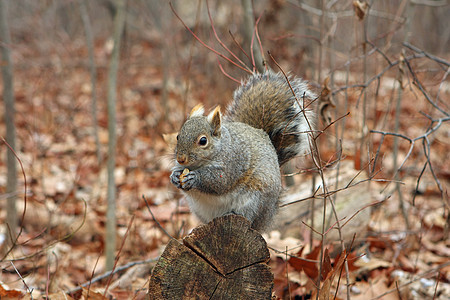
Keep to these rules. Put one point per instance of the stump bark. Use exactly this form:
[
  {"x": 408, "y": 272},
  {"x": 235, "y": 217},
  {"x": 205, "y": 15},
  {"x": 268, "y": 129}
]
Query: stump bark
[{"x": 224, "y": 259}]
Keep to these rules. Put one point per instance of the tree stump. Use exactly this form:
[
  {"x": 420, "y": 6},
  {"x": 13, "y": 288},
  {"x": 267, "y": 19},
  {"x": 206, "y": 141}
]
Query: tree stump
[{"x": 224, "y": 259}]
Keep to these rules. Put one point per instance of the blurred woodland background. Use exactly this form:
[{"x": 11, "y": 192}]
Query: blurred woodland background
[{"x": 83, "y": 78}]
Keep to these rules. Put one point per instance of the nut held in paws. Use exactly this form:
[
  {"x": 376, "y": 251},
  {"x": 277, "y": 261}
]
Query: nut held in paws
[{"x": 185, "y": 172}]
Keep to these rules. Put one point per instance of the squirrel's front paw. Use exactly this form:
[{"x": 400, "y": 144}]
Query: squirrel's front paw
[
  {"x": 175, "y": 178},
  {"x": 188, "y": 181},
  {"x": 184, "y": 180}
]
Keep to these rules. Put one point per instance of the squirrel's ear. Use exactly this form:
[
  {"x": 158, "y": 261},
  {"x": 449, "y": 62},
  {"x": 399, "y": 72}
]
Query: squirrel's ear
[
  {"x": 197, "y": 111},
  {"x": 215, "y": 119},
  {"x": 171, "y": 140}
]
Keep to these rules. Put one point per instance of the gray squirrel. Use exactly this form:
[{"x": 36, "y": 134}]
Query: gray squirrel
[{"x": 231, "y": 164}]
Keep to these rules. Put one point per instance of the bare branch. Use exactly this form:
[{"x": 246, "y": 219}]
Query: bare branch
[
  {"x": 430, "y": 56},
  {"x": 422, "y": 89},
  {"x": 23, "y": 281},
  {"x": 155, "y": 220},
  {"x": 118, "y": 255},
  {"x": 24, "y": 199},
  {"x": 416, "y": 278},
  {"x": 112, "y": 272},
  {"x": 376, "y": 77},
  {"x": 219, "y": 40},
  {"x": 246, "y": 69}
]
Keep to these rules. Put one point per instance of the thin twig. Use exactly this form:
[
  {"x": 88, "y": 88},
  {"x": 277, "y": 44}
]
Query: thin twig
[
  {"x": 226, "y": 74},
  {"x": 118, "y": 254},
  {"x": 330, "y": 193},
  {"x": 239, "y": 45},
  {"x": 416, "y": 190},
  {"x": 287, "y": 274},
  {"x": 416, "y": 278},
  {"x": 379, "y": 51},
  {"x": 412, "y": 141},
  {"x": 427, "y": 150},
  {"x": 422, "y": 89},
  {"x": 364, "y": 207},
  {"x": 92, "y": 275},
  {"x": 24, "y": 199},
  {"x": 205, "y": 45},
  {"x": 437, "y": 283},
  {"x": 292, "y": 255},
  {"x": 259, "y": 41},
  {"x": 155, "y": 220},
  {"x": 317, "y": 161},
  {"x": 442, "y": 83},
  {"x": 332, "y": 123},
  {"x": 376, "y": 77},
  {"x": 218, "y": 39},
  {"x": 430, "y": 56},
  {"x": 112, "y": 272},
  {"x": 64, "y": 238},
  {"x": 23, "y": 281}
]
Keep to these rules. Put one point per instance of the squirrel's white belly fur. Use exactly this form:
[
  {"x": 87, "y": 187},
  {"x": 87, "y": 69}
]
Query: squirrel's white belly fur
[{"x": 209, "y": 206}]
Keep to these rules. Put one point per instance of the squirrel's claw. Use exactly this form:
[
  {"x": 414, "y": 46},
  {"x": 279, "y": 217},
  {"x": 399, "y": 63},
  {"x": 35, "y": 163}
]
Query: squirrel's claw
[
  {"x": 188, "y": 181},
  {"x": 175, "y": 178}
]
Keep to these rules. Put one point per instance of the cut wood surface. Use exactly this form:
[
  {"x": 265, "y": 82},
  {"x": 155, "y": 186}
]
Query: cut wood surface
[{"x": 224, "y": 259}]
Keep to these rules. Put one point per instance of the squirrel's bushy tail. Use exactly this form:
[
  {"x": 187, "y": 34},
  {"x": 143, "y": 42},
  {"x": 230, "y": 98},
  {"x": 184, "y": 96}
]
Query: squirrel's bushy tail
[{"x": 266, "y": 101}]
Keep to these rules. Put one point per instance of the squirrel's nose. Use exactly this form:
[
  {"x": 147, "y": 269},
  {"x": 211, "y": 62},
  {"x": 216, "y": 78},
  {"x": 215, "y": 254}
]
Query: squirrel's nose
[{"x": 181, "y": 159}]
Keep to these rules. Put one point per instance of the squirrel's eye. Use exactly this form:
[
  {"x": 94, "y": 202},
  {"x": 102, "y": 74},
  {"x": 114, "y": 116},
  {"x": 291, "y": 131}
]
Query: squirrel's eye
[{"x": 203, "y": 141}]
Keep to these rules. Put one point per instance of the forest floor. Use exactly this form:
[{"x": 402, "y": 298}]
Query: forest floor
[{"x": 61, "y": 243}]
